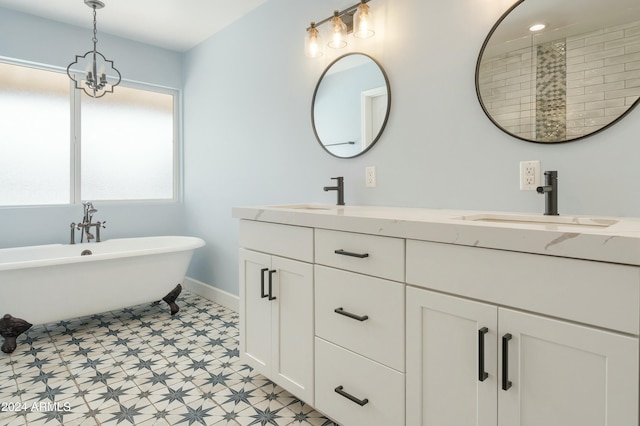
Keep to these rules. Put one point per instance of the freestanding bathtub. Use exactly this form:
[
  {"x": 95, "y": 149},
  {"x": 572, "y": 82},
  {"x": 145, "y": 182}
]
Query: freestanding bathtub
[{"x": 47, "y": 283}]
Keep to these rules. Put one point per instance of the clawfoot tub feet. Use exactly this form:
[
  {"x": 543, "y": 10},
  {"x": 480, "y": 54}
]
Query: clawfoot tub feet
[
  {"x": 171, "y": 299},
  {"x": 10, "y": 329}
]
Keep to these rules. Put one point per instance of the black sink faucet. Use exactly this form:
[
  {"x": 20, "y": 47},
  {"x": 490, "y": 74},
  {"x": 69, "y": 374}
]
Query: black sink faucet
[
  {"x": 339, "y": 187},
  {"x": 550, "y": 191}
]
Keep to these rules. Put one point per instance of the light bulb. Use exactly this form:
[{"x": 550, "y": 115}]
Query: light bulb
[
  {"x": 338, "y": 31},
  {"x": 313, "y": 42},
  {"x": 362, "y": 22}
]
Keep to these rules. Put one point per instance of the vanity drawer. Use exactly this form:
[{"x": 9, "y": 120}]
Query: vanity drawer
[
  {"x": 381, "y": 335},
  {"x": 294, "y": 242},
  {"x": 602, "y": 294},
  {"x": 381, "y": 387},
  {"x": 368, "y": 254}
]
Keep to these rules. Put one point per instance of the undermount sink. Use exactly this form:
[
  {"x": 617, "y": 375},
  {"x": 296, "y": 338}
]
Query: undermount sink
[
  {"x": 305, "y": 207},
  {"x": 540, "y": 220}
]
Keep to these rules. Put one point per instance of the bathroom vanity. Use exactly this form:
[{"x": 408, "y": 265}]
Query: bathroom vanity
[{"x": 393, "y": 316}]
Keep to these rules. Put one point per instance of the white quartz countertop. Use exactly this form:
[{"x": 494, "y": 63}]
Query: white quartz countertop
[{"x": 608, "y": 239}]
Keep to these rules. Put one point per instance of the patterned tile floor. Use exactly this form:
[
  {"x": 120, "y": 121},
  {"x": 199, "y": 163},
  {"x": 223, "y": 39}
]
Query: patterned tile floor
[{"x": 142, "y": 366}]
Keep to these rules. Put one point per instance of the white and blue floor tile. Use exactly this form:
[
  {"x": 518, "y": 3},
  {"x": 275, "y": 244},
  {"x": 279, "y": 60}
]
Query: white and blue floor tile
[{"x": 141, "y": 366}]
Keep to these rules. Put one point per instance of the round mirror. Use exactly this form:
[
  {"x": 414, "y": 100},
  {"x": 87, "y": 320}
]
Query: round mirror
[
  {"x": 558, "y": 71},
  {"x": 350, "y": 105}
]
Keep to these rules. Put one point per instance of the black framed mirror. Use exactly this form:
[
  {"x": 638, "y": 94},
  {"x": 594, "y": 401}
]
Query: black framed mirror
[
  {"x": 350, "y": 105},
  {"x": 576, "y": 77}
]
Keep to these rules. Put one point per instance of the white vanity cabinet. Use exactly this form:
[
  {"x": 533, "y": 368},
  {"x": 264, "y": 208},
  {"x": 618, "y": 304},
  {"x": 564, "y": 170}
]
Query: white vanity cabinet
[
  {"x": 394, "y": 316},
  {"x": 479, "y": 363},
  {"x": 276, "y": 304}
]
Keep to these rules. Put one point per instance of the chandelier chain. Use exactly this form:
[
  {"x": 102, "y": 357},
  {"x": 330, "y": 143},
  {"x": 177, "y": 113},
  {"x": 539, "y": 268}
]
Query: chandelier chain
[{"x": 95, "y": 29}]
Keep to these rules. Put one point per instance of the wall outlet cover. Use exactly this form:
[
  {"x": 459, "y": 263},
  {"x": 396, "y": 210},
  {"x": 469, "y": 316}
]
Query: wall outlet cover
[
  {"x": 370, "y": 177},
  {"x": 529, "y": 175}
]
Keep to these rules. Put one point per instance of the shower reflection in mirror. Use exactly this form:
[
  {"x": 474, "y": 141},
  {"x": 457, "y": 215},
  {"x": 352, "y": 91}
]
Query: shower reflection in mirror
[{"x": 559, "y": 71}]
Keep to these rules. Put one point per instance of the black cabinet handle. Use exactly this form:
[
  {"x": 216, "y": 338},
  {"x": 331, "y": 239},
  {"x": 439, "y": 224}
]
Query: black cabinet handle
[
  {"x": 360, "y": 402},
  {"x": 271, "y": 297},
  {"x": 348, "y": 253},
  {"x": 262, "y": 293},
  {"x": 482, "y": 375},
  {"x": 506, "y": 384},
  {"x": 350, "y": 315}
]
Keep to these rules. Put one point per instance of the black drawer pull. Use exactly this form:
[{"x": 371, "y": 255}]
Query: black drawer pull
[
  {"x": 506, "y": 384},
  {"x": 482, "y": 375},
  {"x": 348, "y": 253},
  {"x": 350, "y": 315},
  {"x": 360, "y": 402},
  {"x": 271, "y": 296},
  {"x": 262, "y": 293}
]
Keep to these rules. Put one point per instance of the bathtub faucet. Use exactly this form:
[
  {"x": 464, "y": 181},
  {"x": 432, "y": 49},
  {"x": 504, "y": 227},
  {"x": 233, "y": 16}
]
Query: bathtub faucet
[{"x": 86, "y": 225}]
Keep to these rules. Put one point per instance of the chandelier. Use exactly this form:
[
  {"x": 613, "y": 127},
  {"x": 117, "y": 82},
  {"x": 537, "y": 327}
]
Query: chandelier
[{"x": 100, "y": 74}]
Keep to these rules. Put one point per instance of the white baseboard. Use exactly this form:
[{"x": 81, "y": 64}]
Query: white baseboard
[{"x": 212, "y": 293}]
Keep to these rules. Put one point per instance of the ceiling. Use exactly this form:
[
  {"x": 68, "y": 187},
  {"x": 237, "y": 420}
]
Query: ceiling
[{"x": 172, "y": 24}]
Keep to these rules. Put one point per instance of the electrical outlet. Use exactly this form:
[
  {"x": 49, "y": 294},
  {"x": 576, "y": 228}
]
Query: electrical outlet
[
  {"x": 370, "y": 177},
  {"x": 529, "y": 175}
]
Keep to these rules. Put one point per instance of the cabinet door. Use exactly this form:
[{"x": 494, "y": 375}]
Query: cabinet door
[
  {"x": 255, "y": 311},
  {"x": 445, "y": 384},
  {"x": 292, "y": 327},
  {"x": 566, "y": 374}
]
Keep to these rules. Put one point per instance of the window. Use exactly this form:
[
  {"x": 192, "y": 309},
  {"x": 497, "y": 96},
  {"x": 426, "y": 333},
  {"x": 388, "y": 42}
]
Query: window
[
  {"x": 59, "y": 146},
  {"x": 127, "y": 145},
  {"x": 34, "y": 136}
]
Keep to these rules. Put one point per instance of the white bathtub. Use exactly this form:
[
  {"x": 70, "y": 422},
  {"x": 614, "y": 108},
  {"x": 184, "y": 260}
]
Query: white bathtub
[{"x": 42, "y": 284}]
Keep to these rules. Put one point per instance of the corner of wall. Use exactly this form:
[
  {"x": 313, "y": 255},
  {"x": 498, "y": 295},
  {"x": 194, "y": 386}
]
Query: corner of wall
[{"x": 212, "y": 293}]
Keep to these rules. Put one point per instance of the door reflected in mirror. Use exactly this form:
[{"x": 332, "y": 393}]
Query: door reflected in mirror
[
  {"x": 350, "y": 105},
  {"x": 575, "y": 75}
]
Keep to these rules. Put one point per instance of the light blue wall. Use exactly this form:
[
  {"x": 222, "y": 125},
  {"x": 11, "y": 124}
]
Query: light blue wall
[
  {"x": 37, "y": 40},
  {"x": 248, "y": 136}
]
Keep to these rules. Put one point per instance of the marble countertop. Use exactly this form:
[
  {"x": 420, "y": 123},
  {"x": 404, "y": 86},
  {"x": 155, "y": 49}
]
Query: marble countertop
[{"x": 608, "y": 239}]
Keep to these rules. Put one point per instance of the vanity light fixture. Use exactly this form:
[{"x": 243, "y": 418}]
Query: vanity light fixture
[
  {"x": 356, "y": 19},
  {"x": 96, "y": 82}
]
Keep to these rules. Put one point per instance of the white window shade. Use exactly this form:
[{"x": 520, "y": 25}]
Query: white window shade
[
  {"x": 34, "y": 136},
  {"x": 127, "y": 146}
]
